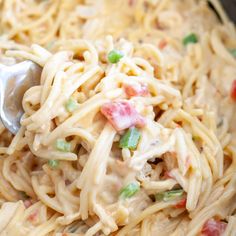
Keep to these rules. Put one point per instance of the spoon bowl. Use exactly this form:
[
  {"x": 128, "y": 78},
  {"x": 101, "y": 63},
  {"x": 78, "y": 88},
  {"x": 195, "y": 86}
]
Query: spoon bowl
[{"x": 14, "y": 81}]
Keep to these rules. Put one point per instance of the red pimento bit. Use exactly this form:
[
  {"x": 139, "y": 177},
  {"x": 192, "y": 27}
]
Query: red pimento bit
[
  {"x": 122, "y": 115},
  {"x": 181, "y": 204},
  {"x": 136, "y": 89},
  {"x": 213, "y": 227}
]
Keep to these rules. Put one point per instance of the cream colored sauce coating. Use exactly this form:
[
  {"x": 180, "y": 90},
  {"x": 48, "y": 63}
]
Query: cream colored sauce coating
[{"x": 189, "y": 118}]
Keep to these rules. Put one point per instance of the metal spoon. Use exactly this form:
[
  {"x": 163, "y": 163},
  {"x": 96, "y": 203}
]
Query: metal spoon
[{"x": 14, "y": 81}]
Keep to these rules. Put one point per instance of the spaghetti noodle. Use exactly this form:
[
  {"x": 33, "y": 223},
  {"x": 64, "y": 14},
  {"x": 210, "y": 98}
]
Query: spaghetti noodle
[{"x": 129, "y": 134}]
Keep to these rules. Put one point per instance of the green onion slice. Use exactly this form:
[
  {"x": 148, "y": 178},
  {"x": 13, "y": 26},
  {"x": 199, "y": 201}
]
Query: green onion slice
[
  {"x": 63, "y": 146},
  {"x": 191, "y": 38},
  {"x": 129, "y": 190},
  {"x": 169, "y": 195},
  {"x": 130, "y": 139},
  {"x": 233, "y": 52},
  {"x": 114, "y": 56},
  {"x": 71, "y": 105},
  {"x": 53, "y": 163}
]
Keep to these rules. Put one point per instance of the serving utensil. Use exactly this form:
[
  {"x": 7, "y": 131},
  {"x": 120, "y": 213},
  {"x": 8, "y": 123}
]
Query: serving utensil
[{"x": 14, "y": 81}]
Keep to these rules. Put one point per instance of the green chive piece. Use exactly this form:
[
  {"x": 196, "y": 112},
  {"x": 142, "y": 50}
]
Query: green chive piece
[
  {"x": 159, "y": 196},
  {"x": 114, "y": 56},
  {"x": 130, "y": 139},
  {"x": 191, "y": 38},
  {"x": 233, "y": 52},
  {"x": 129, "y": 190},
  {"x": 63, "y": 146},
  {"x": 23, "y": 195},
  {"x": 169, "y": 195},
  {"x": 53, "y": 163},
  {"x": 71, "y": 105}
]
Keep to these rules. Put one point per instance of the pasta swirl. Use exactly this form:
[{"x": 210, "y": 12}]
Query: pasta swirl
[{"x": 131, "y": 129}]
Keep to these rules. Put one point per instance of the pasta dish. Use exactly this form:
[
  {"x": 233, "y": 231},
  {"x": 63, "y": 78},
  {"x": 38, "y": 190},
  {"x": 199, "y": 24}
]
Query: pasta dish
[{"x": 131, "y": 130}]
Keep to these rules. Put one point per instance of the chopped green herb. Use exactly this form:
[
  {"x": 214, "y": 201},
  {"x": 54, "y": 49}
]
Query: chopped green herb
[
  {"x": 23, "y": 195},
  {"x": 71, "y": 105},
  {"x": 169, "y": 195},
  {"x": 233, "y": 52},
  {"x": 114, "y": 56},
  {"x": 191, "y": 38},
  {"x": 63, "y": 146},
  {"x": 159, "y": 196},
  {"x": 129, "y": 190},
  {"x": 53, "y": 163},
  {"x": 130, "y": 139}
]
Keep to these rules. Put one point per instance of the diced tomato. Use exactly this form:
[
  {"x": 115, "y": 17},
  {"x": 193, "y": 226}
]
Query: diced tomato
[
  {"x": 122, "y": 115},
  {"x": 136, "y": 89},
  {"x": 181, "y": 204},
  {"x": 213, "y": 227},
  {"x": 233, "y": 90},
  {"x": 28, "y": 203},
  {"x": 162, "y": 44}
]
